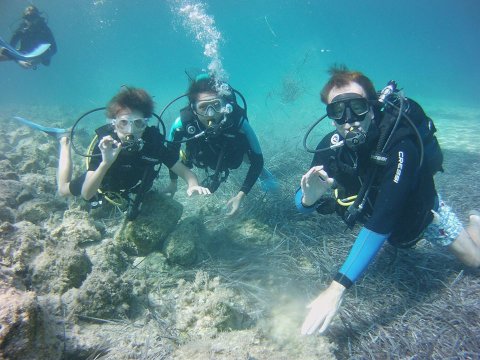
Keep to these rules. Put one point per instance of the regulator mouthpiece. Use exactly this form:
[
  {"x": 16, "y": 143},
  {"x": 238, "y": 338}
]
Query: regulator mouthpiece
[
  {"x": 355, "y": 138},
  {"x": 132, "y": 145}
]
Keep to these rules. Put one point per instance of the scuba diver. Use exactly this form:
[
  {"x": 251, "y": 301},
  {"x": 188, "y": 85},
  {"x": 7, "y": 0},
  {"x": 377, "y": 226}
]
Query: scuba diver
[
  {"x": 126, "y": 155},
  {"x": 218, "y": 137},
  {"x": 32, "y": 32},
  {"x": 380, "y": 163}
]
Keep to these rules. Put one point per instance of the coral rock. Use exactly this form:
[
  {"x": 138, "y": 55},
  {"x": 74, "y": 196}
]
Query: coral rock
[
  {"x": 9, "y": 190},
  {"x": 24, "y": 331},
  {"x": 181, "y": 246},
  {"x": 60, "y": 269},
  {"x": 159, "y": 216},
  {"x": 38, "y": 210},
  {"x": 20, "y": 244},
  {"x": 102, "y": 295}
]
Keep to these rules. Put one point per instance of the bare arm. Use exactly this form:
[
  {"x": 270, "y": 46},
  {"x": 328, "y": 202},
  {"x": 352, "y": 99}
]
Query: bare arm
[
  {"x": 190, "y": 178},
  {"x": 110, "y": 150},
  {"x": 93, "y": 180}
]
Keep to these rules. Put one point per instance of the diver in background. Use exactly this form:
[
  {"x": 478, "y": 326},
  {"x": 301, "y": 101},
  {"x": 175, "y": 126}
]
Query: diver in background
[
  {"x": 219, "y": 137},
  {"x": 32, "y": 31},
  {"x": 396, "y": 198},
  {"x": 127, "y": 157}
]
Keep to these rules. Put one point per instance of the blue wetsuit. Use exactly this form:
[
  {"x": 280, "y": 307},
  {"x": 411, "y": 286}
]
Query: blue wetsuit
[
  {"x": 224, "y": 151},
  {"x": 399, "y": 202}
]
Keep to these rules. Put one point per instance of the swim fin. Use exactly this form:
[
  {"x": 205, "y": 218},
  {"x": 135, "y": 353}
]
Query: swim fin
[
  {"x": 17, "y": 55},
  {"x": 57, "y": 132},
  {"x": 268, "y": 182}
]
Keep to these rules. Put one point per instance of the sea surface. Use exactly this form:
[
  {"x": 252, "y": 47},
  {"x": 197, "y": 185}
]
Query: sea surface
[{"x": 275, "y": 52}]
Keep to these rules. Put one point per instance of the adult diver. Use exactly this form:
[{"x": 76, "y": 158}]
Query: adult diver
[
  {"x": 32, "y": 43},
  {"x": 218, "y": 137},
  {"x": 379, "y": 164}
]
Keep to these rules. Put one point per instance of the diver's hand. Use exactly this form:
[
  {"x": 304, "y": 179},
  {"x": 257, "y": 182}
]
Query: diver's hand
[
  {"x": 110, "y": 149},
  {"x": 198, "y": 190},
  {"x": 234, "y": 203},
  {"x": 25, "y": 64},
  {"x": 171, "y": 188},
  {"x": 323, "y": 309},
  {"x": 314, "y": 184}
]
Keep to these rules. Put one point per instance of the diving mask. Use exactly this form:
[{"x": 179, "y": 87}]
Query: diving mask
[
  {"x": 127, "y": 125},
  {"x": 348, "y": 108},
  {"x": 211, "y": 107}
]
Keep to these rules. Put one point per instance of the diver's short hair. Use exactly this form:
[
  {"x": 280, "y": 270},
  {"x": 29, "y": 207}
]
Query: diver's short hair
[
  {"x": 340, "y": 76},
  {"x": 32, "y": 9},
  {"x": 132, "y": 98},
  {"x": 204, "y": 84},
  {"x": 208, "y": 83}
]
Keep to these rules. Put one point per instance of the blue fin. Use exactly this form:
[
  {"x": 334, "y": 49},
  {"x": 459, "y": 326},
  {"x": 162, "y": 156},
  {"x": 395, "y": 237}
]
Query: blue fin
[
  {"x": 17, "y": 55},
  {"x": 57, "y": 132},
  {"x": 268, "y": 182}
]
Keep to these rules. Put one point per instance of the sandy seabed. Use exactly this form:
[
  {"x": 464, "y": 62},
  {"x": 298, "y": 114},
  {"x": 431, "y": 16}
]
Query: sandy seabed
[{"x": 185, "y": 282}]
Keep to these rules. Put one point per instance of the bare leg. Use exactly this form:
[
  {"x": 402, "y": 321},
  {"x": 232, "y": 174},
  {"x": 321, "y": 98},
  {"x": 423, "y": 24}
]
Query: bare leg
[
  {"x": 65, "y": 167},
  {"x": 466, "y": 246}
]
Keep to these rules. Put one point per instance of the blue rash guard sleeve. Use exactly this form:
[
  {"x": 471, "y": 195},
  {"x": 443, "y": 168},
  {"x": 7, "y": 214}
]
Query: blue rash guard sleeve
[
  {"x": 362, "y": 253},
  {"x": 177, "y": 126},
  {"x": 298, "y": 202}
]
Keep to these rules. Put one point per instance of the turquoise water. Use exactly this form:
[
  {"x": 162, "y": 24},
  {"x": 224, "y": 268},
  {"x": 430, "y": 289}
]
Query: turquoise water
[
  {"x": 430, "y": 48},
  {"x": 277, "y": 53}
]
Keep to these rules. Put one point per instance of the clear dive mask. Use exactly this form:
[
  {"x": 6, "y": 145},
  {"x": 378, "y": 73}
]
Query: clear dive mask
[
  {"x": 127, "y": 124},
  {"x": 132, "y": 129},
  {"x": 210, "y": 108}
]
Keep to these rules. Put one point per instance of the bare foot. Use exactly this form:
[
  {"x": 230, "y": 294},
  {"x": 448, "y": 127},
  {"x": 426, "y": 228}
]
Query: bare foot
[
  {"x": 473, "y": 227},
  {"x": 64, "y": 140}
]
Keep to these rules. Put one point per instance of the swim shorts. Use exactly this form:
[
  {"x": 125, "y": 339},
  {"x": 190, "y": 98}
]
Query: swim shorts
[{"x": 445, "y": 227}]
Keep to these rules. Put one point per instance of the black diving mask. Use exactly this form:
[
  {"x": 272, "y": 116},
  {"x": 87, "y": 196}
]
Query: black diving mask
[{"x": 348, "y": 108}]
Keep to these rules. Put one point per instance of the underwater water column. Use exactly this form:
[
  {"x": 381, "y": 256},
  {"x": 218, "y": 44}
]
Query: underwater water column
[{"x": 202, "y": 25}]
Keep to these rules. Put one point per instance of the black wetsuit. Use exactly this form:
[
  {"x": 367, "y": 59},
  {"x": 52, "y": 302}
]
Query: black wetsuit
[
  {"x": 32, "y": 34},
  {"x": 225, "y": 151},
  {"x": 401, "y": 197},
  {"x": 399, "y": 203},
  {"x": 130, "y": 168}
]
